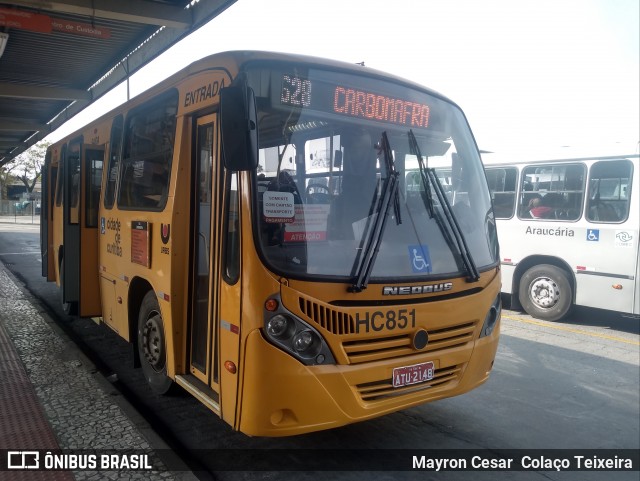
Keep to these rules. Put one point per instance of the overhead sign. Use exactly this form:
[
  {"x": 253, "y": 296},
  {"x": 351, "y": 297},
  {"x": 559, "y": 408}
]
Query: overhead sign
[
  {"x": 35, "y": 22},
  {"x": 77, "y": 28}
]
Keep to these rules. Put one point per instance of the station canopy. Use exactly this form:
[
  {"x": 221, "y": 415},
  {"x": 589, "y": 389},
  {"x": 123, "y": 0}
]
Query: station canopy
[{"x": 57, "y": 57}]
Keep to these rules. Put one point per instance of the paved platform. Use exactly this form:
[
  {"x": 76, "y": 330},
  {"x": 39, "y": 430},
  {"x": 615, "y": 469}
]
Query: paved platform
[{"x": 53, "y": 398}]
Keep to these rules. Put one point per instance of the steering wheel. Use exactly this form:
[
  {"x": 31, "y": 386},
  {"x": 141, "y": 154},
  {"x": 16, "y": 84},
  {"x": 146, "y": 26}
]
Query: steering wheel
[{"x": 318, "y": 194}]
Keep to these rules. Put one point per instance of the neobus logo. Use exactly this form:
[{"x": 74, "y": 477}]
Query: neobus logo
[{"x": 409, "y": 290}]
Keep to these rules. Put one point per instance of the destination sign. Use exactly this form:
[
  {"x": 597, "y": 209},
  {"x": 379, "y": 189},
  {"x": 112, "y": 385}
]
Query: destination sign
[{"x": 353, "y": 101}]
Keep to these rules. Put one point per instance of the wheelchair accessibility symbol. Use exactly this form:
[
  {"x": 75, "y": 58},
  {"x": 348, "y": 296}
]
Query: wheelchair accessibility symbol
[
  {"x": 419, "y": 258},
  {"x": 593, "y": 235}
]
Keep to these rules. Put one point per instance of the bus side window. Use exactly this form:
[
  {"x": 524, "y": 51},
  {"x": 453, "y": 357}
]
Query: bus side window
[
  {"x": 232, "y": 229},
  {"x": 60, "y": 178},
  {"x": 73, "y": 176},
  {"x": 115, "y": 153},
  {"x": 52, "y": 186},
  {"x": 502, "y": 184},
  {"x": 609, "y": 185},
  {"x": 552, "y": 191},
  {"x": 93, "y": 185},
  {"x": 147, "y": 154},
  {"x": 527, "y": 202}
]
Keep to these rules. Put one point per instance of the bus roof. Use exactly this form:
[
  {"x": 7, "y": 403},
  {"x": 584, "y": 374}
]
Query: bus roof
[
  {"x": 242, "y": 56},
  {"x": 232, "y": 62}
]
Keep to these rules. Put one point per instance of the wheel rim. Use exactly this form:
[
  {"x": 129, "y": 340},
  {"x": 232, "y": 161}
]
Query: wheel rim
[
  {"x": 153, "y": 342},
  {"x": 544, "y": 292}
]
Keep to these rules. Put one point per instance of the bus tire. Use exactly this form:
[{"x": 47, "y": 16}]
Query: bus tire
[
  {"x": 69, "y": 308},
  {"x": 152, "y": 348},
  {"x": 545, "y": 292}
]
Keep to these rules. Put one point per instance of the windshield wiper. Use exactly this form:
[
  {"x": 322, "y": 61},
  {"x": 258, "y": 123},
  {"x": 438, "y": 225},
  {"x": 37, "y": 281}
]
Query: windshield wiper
[
  {"x": 389, "y": 195},
  {"x": 429, "y": 177}
]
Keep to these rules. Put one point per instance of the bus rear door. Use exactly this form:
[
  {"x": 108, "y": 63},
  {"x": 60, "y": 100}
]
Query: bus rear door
[
  {"x": 48, "y": 182},
  {"x": 79, "y": 266}
]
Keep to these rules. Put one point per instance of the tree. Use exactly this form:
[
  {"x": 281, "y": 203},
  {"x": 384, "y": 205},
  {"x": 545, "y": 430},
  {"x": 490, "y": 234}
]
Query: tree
[
  {"x": 5, "y": 178},
  {"x": 28, "y": 165}
]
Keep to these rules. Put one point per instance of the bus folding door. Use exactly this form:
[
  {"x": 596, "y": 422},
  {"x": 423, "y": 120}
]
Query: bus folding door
[{"x": 79, "y": 267}]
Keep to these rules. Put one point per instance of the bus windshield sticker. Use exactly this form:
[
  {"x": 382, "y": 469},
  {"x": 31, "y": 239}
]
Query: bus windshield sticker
[
  {"x": 419, "y": 258},
  {"x": 278, "y": 207},
  {"x": 309, "y": 225}
]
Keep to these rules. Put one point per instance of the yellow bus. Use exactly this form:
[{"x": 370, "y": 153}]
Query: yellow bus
[{"x": 248, "y": 227}]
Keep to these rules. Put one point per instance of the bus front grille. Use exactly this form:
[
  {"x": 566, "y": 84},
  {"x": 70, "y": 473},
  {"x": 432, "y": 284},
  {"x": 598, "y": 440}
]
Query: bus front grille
[
  {"x": 335, "y": 322},
  {"x": 383, "y": 389},
  {"x": 367, "y": 350},
  {"x": 386, "y": 347}
]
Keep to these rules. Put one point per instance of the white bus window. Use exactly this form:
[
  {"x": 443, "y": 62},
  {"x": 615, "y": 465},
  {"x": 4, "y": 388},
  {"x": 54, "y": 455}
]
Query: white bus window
[
  {"x": 502, "y": 184},
  {"x": 552, "y": 191},
  {"x": 609, "y": 187}
]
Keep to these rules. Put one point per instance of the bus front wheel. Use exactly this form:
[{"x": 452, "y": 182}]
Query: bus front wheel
[
  {"x": 545, "y": 292},
  {"x": 152, "y": 346}
]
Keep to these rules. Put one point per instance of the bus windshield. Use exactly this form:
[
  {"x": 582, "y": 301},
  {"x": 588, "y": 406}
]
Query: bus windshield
[{"x": 322, "y": 172}]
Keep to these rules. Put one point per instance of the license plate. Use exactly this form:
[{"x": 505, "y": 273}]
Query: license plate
[{"x": 407, "y": 375}]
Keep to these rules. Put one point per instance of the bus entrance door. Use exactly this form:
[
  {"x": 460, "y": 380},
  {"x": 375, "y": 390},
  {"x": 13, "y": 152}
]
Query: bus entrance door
[
  {"x": 204, "y": 358},
  {"x": 79, "y": 265}
]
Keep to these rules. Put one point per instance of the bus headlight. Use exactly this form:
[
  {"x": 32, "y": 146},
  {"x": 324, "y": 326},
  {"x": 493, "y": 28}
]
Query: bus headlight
[
  {"x": 281, "y": 327},
  {"x": 295, "y": 336},
  {"x": 303, "y": 341},
  {"x": 308, "y": 344},
  {"x": 492, "y": 317}
]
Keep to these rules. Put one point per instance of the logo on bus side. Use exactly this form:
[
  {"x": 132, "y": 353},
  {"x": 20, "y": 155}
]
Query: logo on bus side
[
  {"x": 165, "y": 234},
  {"x": 624, "y": 238},
  {"x": 165, "y": 231},
  {"x": 112, "y": 225},
  {"x": 552, "y": 231}
]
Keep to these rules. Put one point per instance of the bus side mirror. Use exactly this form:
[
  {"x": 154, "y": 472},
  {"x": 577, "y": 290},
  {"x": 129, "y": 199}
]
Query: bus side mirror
[{"x": 239, "y": 128}]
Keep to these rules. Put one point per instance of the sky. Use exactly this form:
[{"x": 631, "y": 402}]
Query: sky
[{"x": 542, "y": 79}]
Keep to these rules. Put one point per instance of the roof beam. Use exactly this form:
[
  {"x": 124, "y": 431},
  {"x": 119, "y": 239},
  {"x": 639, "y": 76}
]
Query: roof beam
[
  {"x": 5, "y": 145},
  {"x": 10, "y": 125},
  {"x": 137, "y": 11},
  {"x": 33, "y": 92}
]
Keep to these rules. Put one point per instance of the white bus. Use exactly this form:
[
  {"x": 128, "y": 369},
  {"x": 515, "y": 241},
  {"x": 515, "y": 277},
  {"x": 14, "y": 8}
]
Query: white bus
[{"x": 568, "y": 232}]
